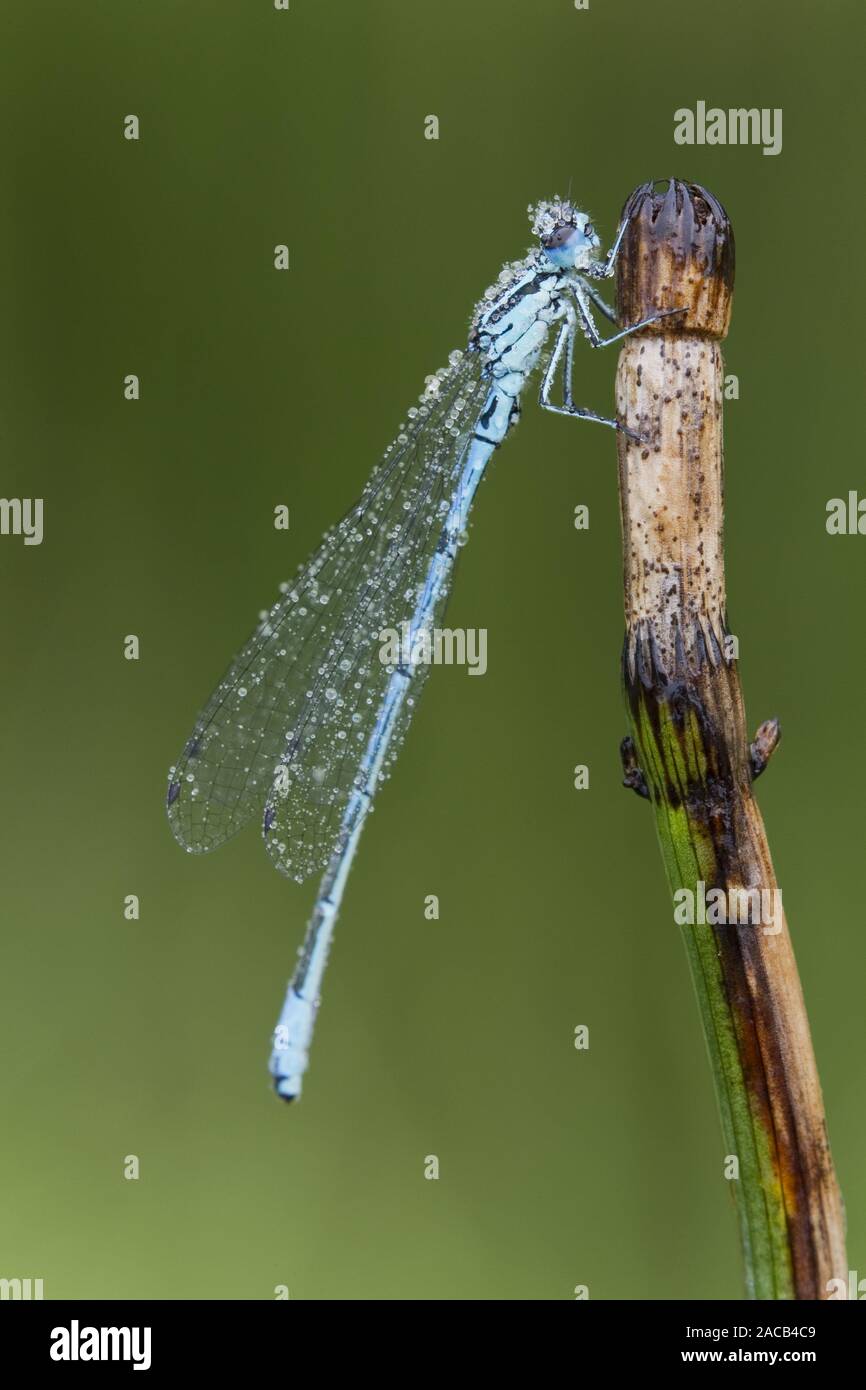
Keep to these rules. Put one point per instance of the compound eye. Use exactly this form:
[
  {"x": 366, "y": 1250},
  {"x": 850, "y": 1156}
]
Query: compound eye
[{"x": 558, "y": 238}]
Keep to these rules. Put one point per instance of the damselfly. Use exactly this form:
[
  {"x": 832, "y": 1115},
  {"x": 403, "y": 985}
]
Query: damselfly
[{"x": 307, "y": 721}]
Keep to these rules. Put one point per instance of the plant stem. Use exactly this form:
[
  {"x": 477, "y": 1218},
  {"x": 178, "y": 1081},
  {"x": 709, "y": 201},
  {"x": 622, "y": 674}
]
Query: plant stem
[{"x": 689, "y": 751}]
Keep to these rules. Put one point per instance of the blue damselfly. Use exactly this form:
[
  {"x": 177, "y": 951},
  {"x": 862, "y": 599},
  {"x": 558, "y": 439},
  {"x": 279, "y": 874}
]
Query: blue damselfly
[{"x": 308, "y": 720}]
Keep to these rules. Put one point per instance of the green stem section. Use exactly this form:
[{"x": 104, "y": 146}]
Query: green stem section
[{"x": 674, "y": 757}]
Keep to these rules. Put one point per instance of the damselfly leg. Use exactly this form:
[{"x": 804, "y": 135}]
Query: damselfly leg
[
  {"x": 564, "y": 349},
  {"x": 590, "y": 328},
  {"x": 601, "y": 303}
]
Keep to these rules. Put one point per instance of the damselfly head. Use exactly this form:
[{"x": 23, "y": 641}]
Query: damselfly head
[{"x": 567, "y": 235}]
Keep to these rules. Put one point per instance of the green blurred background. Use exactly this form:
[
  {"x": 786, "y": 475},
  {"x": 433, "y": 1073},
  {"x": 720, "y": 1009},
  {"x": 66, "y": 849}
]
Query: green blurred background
[{"x": 557, "y": 1167}]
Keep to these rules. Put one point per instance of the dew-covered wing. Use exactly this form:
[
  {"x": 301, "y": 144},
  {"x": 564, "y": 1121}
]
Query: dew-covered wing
[{"x": 299, "y": 701}]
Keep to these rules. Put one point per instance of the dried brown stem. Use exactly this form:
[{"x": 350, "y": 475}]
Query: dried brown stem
[{"x": 690, "y": 746}]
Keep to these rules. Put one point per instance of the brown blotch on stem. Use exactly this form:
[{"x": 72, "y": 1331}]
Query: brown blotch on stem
[
  {"x": 632, "y": 775},
  {"x": 764, "y": 745}
]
